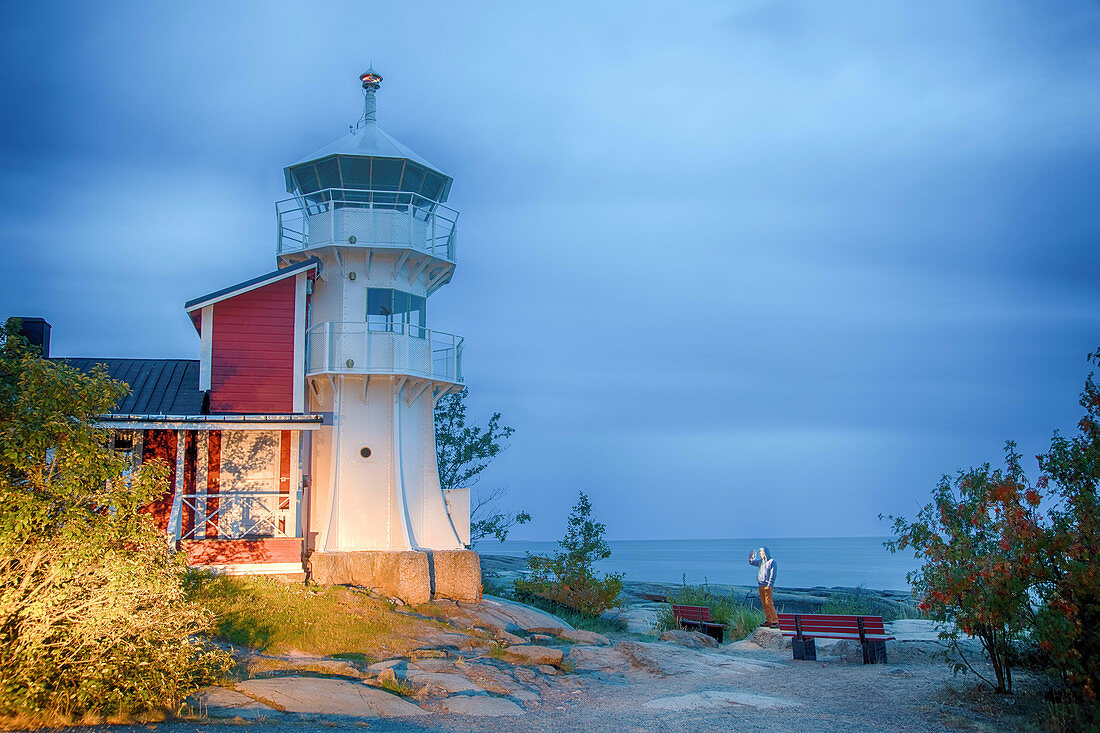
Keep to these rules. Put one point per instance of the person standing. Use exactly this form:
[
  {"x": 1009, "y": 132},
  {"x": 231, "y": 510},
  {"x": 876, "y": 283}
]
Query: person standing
[{"x": 765, "y": 580}]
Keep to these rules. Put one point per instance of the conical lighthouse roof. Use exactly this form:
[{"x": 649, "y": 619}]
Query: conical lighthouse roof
[
  {"x": 344, "y": 163},
  {"x": 369, "y": 140}
]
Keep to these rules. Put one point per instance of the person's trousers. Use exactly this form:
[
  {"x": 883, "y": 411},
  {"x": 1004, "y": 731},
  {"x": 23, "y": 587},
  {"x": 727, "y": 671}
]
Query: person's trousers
[{"x": 769, "y": 607}]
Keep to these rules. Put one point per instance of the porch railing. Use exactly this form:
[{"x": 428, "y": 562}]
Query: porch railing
[{"x": 232, "y": 515}]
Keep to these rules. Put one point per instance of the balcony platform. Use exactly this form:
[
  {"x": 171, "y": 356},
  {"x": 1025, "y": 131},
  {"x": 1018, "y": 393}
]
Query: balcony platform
[
  {"x": 398, "y": 349},
  {"x": 370, "y": 219}
]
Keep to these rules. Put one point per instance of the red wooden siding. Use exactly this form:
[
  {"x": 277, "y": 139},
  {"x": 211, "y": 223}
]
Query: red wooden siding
[
  {"x": 161, "y": 445},
  {"x": 252, "y": 364},
  {"x": 230, "y": 552}
]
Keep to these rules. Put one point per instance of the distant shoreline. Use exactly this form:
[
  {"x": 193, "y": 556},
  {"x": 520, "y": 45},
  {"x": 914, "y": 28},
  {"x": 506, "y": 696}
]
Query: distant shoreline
[{"x": 503, "y": 569}]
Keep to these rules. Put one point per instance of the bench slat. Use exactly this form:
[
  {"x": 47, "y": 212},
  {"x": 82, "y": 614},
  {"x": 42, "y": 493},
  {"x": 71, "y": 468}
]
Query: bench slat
[
  {"x": 870, "y": 628},
  {"x": 831, "y": 617}
]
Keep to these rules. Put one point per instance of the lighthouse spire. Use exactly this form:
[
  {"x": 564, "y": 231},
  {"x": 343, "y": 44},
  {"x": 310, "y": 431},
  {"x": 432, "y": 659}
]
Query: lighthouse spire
[{"x": 371, "y": 81}]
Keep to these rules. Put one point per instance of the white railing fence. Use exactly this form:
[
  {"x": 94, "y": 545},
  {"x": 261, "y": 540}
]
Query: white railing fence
[
  {"x": 368, "y": 219},
  {"x": 383, "y": 348}
]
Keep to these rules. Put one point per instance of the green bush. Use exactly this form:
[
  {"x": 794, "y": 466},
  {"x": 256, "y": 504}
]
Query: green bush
[
  {"x": 93, "y": 619},
  {"x": 861, "y": 603},
  {"x": 568, "y": 576},
  {"x": 725, "y": 608}
]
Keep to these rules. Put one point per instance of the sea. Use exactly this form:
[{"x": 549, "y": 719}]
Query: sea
[{"x": 803, "y": 562}]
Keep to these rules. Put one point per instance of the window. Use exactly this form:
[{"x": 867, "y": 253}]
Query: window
[{"x": 396, "y": 310}]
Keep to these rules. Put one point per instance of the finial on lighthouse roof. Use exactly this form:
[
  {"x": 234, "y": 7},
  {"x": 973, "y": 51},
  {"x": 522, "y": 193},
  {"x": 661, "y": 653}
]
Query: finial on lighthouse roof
[{"x": 371, "y": 81}]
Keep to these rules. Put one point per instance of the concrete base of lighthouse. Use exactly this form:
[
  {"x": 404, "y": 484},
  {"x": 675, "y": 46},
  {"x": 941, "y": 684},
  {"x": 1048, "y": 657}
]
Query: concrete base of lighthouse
[{"x": 414, "y": 576}]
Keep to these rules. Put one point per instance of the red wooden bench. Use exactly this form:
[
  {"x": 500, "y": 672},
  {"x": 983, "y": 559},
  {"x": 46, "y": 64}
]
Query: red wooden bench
[
  {"x": 805, "y": 627},
  {"x": 698, "y": 618}
]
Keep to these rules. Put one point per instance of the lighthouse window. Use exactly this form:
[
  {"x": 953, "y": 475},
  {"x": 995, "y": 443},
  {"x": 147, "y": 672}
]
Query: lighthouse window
[
  {"x": 329, "y": 173},
  {"x": 396, "y": 310}
]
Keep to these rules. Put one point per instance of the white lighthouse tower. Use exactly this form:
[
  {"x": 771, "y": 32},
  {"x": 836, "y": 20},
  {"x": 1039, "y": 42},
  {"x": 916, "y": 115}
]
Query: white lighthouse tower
[{"x": 374, "y": 213}]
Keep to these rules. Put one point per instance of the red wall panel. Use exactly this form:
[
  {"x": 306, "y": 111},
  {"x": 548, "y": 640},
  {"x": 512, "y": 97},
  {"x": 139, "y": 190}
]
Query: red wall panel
[
  {"x": 252, "y": 364},
  {"x": 160, "y": 445}
]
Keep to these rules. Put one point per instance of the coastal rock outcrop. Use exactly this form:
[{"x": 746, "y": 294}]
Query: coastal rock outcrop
[
  {"x": 533, "y": 655},
  {"x": 690, "y": 639}
]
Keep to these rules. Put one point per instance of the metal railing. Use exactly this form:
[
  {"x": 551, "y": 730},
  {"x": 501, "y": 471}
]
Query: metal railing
[
  {"x": 345, "y": 216},
  {"x": 232, "y": 515},
  {"x": 383, "y": 348}
]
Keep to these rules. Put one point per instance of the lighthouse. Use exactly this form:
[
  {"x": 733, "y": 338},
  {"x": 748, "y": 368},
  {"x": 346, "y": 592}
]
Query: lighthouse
[
  {"x": 302, "y": 439},
  {"x": 374, "y": 213}
]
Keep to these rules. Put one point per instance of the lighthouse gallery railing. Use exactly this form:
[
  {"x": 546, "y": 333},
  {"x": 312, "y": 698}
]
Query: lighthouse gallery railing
[
  {"x": 345, "y": 216},
  {"x": 336, "y": 347}
]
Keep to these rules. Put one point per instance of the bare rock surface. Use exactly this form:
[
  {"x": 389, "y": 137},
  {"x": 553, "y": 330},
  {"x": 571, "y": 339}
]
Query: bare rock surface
[
  {"x": 641, "y": 619},
  {"x": 534, "y": 655},
  {"x": 717, "y": 699},
  {"x": 690, "y": 639},
  {"x": 498, "y": 681},
  {"x": 487, "y": 707},
  {"x": 219, "y": 702},
  {"x": 581, "y": 636},
  {"x": 319, "y": 696},
  {"x": 439, "y": 681}
]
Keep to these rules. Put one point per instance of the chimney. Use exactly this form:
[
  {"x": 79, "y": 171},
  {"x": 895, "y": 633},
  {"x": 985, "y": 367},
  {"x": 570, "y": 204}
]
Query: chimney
[{"x": 37, "y": 333}]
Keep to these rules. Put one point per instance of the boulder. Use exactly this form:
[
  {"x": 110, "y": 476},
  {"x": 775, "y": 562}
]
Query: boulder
[
  {"x": 487, "y": 707},
  {"x": 533, "y": 655},
  {"x": 580, "y": 636},
  {"x": 328, "y": 697},
  {"x": 509, "y": 639},
  {"x": 690, "y": 639},
  {"x": 770, "y": 638}
]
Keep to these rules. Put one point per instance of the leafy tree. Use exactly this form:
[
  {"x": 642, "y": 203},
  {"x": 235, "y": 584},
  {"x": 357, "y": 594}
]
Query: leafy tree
[
  {"x": 1068, "y": 624},
  {"x": 1004, "y": 559},
  {"x": 569, "y": 576},
  {"x": 462, "y": 453},
  {"x": 92, "y": 615},
  {"x": 977, "y": 566}
]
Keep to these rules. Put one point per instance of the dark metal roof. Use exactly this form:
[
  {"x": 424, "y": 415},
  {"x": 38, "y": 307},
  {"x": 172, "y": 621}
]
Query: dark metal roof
[
  {"x": 256, "y": 281},
  {"x": 157, "y": 386}
]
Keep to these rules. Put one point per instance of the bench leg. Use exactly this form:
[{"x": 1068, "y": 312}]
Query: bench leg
[
  {"x": 804, "y": 649},
  {"x": 874, "y": 652}
]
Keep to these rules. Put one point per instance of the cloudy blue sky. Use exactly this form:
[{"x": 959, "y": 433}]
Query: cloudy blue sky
[{"x": 735, "y": 269}]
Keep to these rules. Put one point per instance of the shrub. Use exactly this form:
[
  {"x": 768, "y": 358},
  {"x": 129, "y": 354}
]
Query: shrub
[
  {"x": 568, "y": 576},
  {"x": 997, "y": 566},
  {"x": 976, "y": 573},
  {"x": 93, "y": 622}
]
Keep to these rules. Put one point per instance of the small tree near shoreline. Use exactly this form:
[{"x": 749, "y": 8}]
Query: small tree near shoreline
[{"x": 569, "y": 575}]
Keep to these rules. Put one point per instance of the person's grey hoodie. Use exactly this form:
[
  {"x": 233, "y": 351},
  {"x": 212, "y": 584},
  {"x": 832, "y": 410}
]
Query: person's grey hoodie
[{"x": 762, "y": 558}]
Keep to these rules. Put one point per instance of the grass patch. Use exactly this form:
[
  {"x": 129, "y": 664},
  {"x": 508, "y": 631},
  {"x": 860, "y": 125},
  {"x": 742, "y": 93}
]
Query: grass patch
[
  {"x": 725, "y": 608},
  {"x": 271, "y": 616},
  {"x": 404, "y": 688},
  {"x": 863, "y": 603}
]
